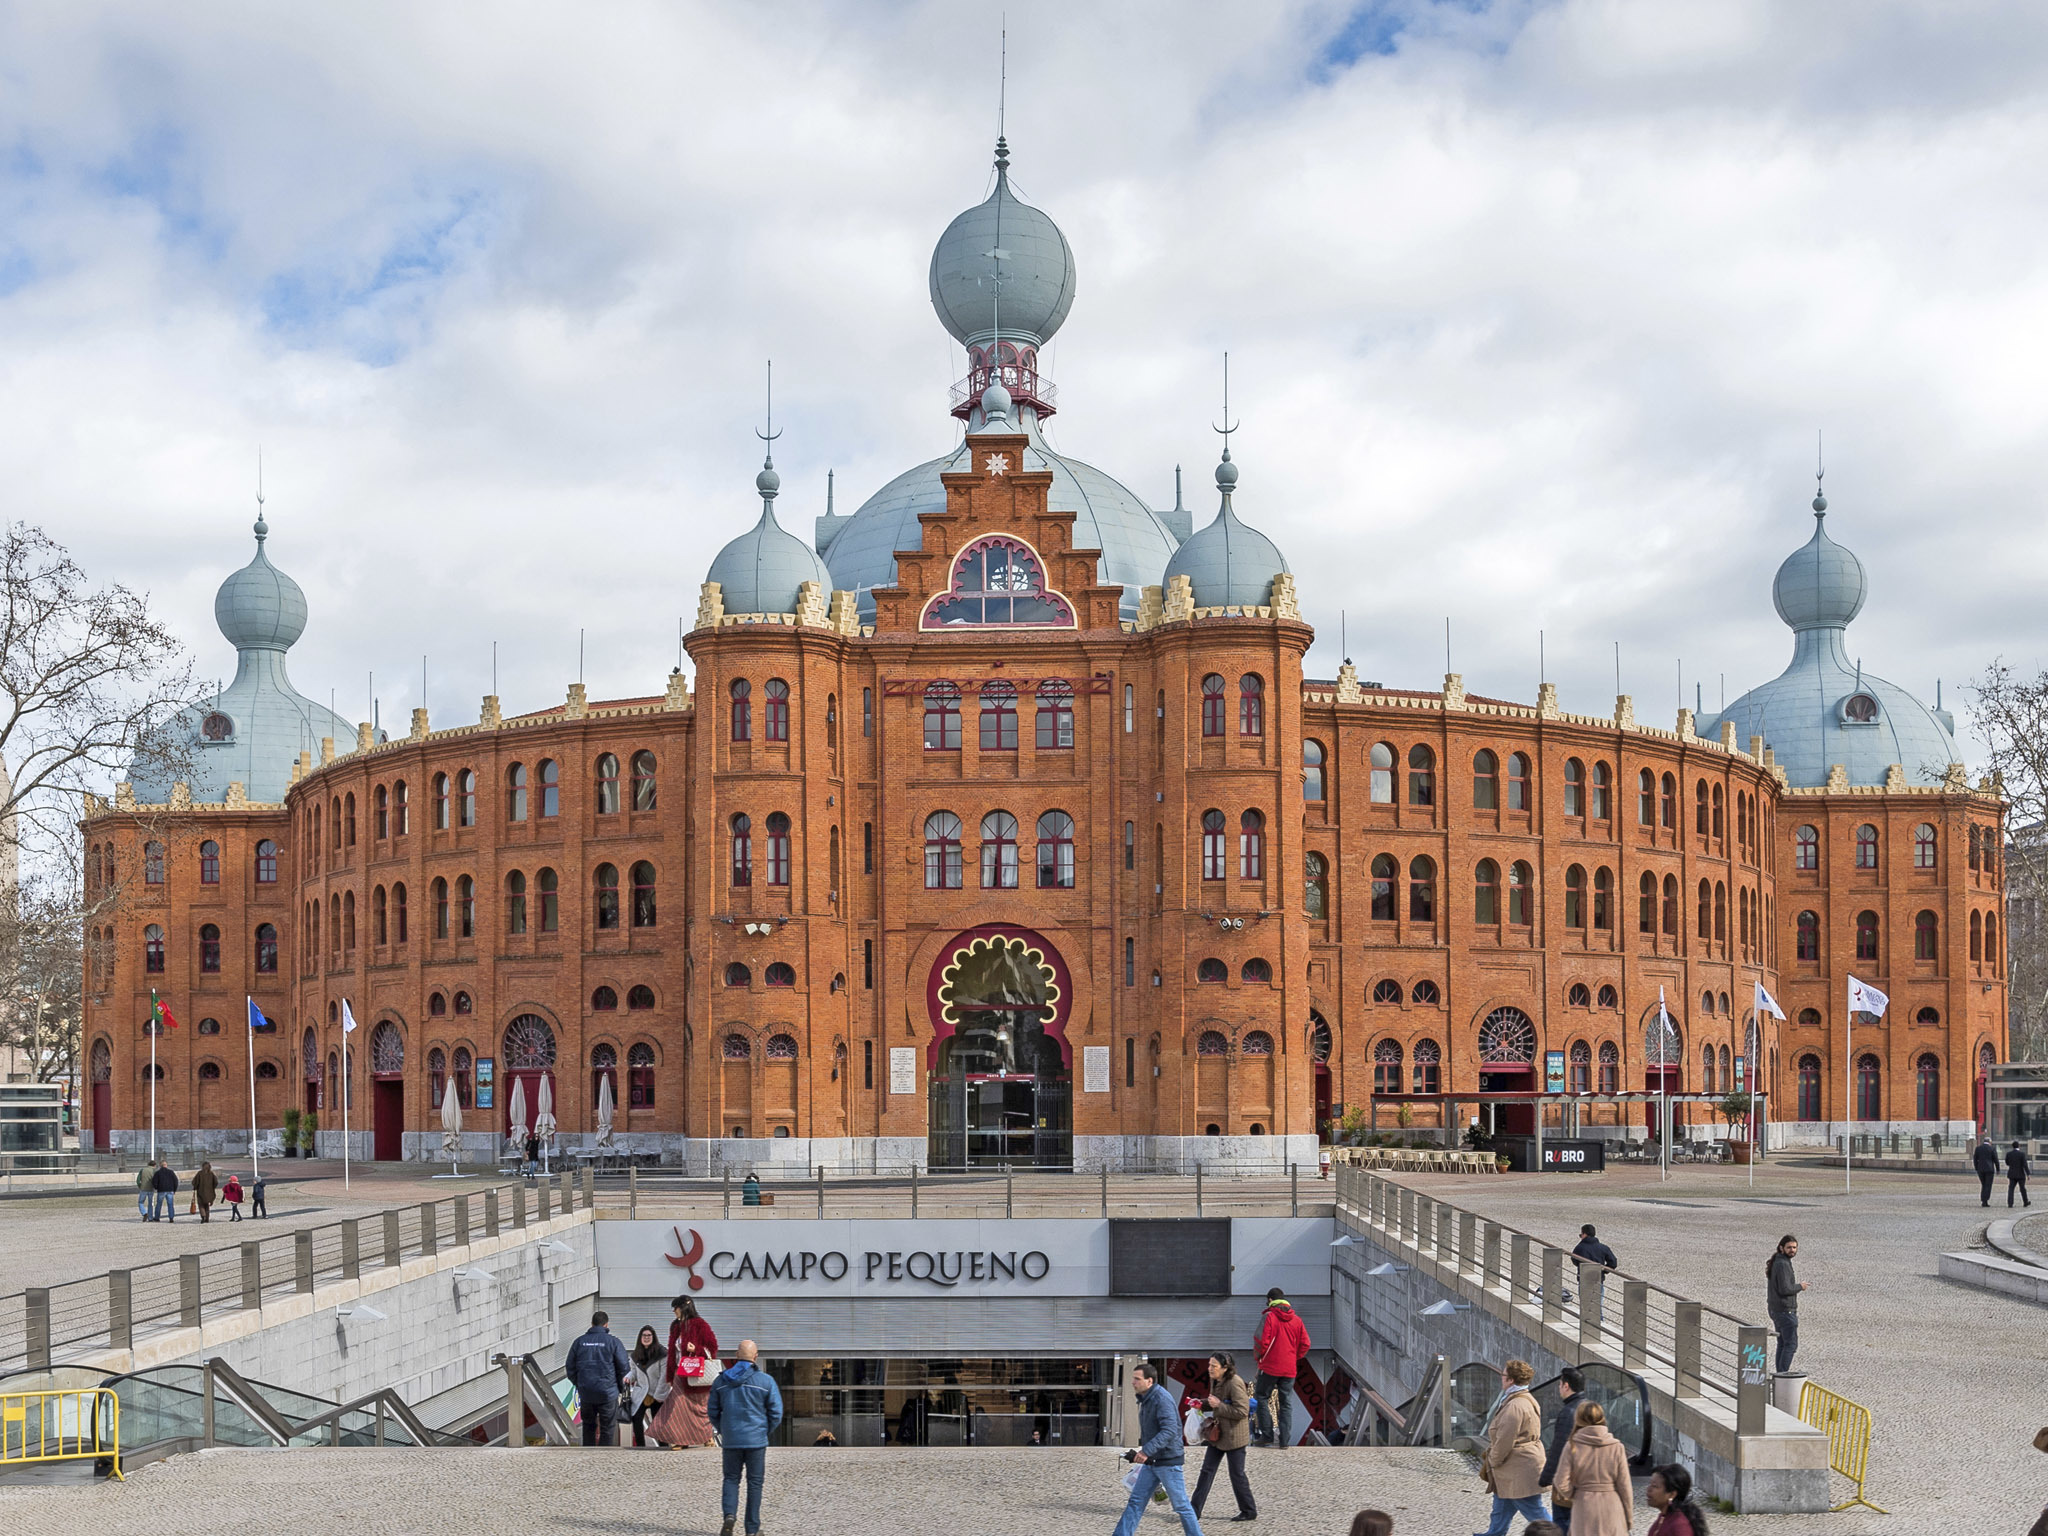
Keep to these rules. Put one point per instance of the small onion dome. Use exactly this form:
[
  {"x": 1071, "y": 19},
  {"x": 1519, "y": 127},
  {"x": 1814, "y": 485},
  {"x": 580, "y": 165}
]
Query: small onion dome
[
  {"x": 1006, "y": 238},
  {"x": 1229, "y": 563},
  {"x": 760, "y": 571},
  {"x": 259, "y": 607},
  {"x": 1821, "y": 585}
]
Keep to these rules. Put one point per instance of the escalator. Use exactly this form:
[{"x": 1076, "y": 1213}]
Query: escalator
[{"x": 1454, "y": 1412}]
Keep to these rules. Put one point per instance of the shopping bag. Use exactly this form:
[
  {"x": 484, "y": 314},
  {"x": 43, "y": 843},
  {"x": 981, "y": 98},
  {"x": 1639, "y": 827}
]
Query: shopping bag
[
  {"x": 699, "y": 1369},
  {"x": 1131, "y": 1476},
  {"x": 1192, "y": 1426}
]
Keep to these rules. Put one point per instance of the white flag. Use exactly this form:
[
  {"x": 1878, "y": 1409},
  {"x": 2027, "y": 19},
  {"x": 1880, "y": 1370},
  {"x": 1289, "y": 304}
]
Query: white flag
[
  {"x": 1864, "y": 998},
  {"x": 348, "y": 1020},
  {"x": 1765, "y": 1003},
  {"x": 1663, "y": 1029}
]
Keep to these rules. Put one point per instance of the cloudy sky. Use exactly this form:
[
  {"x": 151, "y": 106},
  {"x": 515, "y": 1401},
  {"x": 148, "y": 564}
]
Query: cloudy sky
[{"x": 1534, "y": 310}]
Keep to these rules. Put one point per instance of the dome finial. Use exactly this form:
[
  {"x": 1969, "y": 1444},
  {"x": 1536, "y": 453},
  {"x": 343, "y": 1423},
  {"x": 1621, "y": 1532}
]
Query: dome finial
[
  {"x": 262, "y": 528},
  {"x": 1226, "y": 472},
  {"x": 1820, "y": 470},
  {"x": 768, "y": 482},
  {"x": 1002, "y": 103}
]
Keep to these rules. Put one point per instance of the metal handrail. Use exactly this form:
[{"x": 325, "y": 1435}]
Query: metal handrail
[{"x": 540, "y": 1391}]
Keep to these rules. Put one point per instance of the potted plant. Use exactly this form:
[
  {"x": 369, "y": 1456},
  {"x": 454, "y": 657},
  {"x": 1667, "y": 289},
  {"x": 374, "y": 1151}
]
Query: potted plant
[
  {"x": 291, "y": 1131},
  {"x": 309, "y": 1131},
  {"x": 1354, "y": 1125},
  {"x": 1734, "y": 1108},
  {"x": 1404, "y": 1116}
]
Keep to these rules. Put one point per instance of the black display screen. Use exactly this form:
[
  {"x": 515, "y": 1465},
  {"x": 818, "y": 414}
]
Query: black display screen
[{"x": 1171, "y": 1257}]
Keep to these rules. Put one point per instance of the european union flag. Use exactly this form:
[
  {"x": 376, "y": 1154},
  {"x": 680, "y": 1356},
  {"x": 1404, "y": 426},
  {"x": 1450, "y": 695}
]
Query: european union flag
[{"x": 256, "y": 1018}]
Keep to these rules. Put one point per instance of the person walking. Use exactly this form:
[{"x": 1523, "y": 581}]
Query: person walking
[
  {"x": 165, "y": 1183},
  {"x": 1230, "y": 1432},
  {"x": 1159, "y": 1457},
  {"x": 601, "y": 1370},
  {"x": 685, "y": 1419},
  {"x": 1985, "y": 1161},
  {"x": 745, "y": 1407},
  {"x": 1593, "y": 1481},
  {"x": 1282, "y": 1341},
  {"x": 2016, "y": 1171},
  {"x": 1571, "y": 1381},
  {"x": 145, "y": 1190},
  {"x": 232, "y": 1192},
  {"x": 650, "y": 1361},
  {"x": 205, "y": 1189},
  {"x": 1670, "y": 1494},
  {"x": 1781, "y": 1299},
  {"x": 1513, "y": 1464},
  {"x": 532, "y": 1164},
  {"x": 256, "y": 1205}
]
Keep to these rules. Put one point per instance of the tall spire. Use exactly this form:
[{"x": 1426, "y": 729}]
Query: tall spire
[
  {"x": 1820, "y": 470},
  {"x": 768, "y": 482},
  {"x": 262, "y": 528},
  {"x": 1226, "y": 472}
]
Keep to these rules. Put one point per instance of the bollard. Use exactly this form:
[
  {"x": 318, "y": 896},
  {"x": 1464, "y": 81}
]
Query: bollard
[
  {"x": 1468, "y": 1241},
  {"x": 568, "y": 1192},
  {"x": 1592, "y": 1276},
  {"x": 1635, "y": 1324},
  {"x": 394, "y": 1248},
  {"x": 462, "y": 1221},
  {"x": 252, "y": 1276},
  {"x": 120, "y": 1309},
  {"x": 1445, "y": 1234},
  {"x": 351, "y": 1254},
  {"x": 589, "y": 1186},
  {"x": 1105, "y": 1193},
  {"x": 1489, "y": 1254},
  {"x": 546, "y": 1192},
  {"x": 1518, "y": 1268},
  {"x": 490, "y": 1213},
  {"x": 1198, "y": 1189},
  {"x": 726, "y": 1194},
  {"x": 821, "y": 1191},
  {"x": 1752, "y": 1380},
  {"x": 1553, "y": 1286},
  {"x": 913, "y": 1190},
  {"x": 188, "y": 1290},
  {"x": 519, "y": 1207},
  {"x": 1685, "y": 1348},
  {"x": 1294, "y": 1189},
  {"x": 632, "y": 1192},
  {"x": 302, "y": 1261},
  {"x": 38, "y": 1322},
  {"x": 430, "y": 1236}
]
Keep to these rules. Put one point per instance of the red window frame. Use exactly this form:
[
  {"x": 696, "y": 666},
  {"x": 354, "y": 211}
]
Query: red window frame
[
  {"x": 742, "y": 709},
  {"x": 778, "y": 849},
  {"x": 1251, "y": 705},
  {"x": 775, "y": 714},
  {"x": 1212, "y": 704},
  {"x": 1215, "y": 853}
]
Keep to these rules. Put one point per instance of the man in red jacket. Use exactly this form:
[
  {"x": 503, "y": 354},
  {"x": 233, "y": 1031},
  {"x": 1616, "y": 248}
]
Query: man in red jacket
[{"x": 1282, "y": 1341}]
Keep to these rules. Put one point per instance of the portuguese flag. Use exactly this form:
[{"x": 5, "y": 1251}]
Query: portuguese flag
[{"x": 160, "y": 1011}]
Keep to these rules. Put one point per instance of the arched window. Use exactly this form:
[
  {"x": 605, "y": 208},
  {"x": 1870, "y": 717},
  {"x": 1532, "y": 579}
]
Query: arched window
[
  {"x": 1717, "y": 812},
  {"x": 1211, "y": 1041},
  {"x": 1646, "y": 907},
  {"x": 1575, "y": 897},
  {"x": 1671, "y": 905},
  {"x": 380, "y": 818},
  {"x": 1055, "y": 851},
  {"x": 1705, "y": 904},
  {"x": 999, "y": 851},
  {"x": 1646, "y": 799},
  {"x": 607, "y": 785},
  {"x": 1319, "y": 1042},
  {"x": 1519, "y": 798},
  {"x": 605, "y": 883},
  {"x": 942, "y": 851},
  {"x": 942, "y": 717},
  {"x": 1212, "y": 969},
  {"x": 1866, "y": 847},
  {"x": 1421, "y": 775},
  {"x": 1386, "y": 1067},
  {"x": 348, "y": 920},
  {"x": 266, "y": 949},
  {"x": 465, "y": 802},
  {"x": 1258, "y": 1043},
  {"x": 1422, "y": 889},
  {"x": 1667, "y": 802},
  {"x": 400, "y": 932},
  {"x": 643, "y": 781},
  {"x": 1991, "y": 939},
  {"x": 437, "y": 1076},
  {"x": 1926, "y": 846},
  {"x": 1581, "y": 1080},
  {"x": 1609, "y": 998},
  {"x": 1806, "y": 943},
  {"x": 1578, "y": 995},
  {"x": 1976, "y": 936},
  {"x": 266, "y": 862},
  {"x": 643, "y": 894},
  {"x": 1485, "y": 781},
  {"x": 604, "y": 1067},
  {"x": 775, "y": 710},
  {"x": 998, "y": 717},
  {"x": 1926, "y": 937},
  {"x": 515, "y": 902},
  {"x": 401, "y": 810},
  {"x": 1251, "y": 705},
  {"x": 1610, "y": 1067},
  {"x": 737, "y": 1047},
  {"x": 1809, "y": 1088},
  {"x": 515, "y": 792},
  {"x": 1486, "y": 892},
  {"x": 737, "y": 975},
  {"x": 1257, "y": 971},
  {"x": 550, "y": 892},
  {"x": 1869, "y": 1089},
  {"x": 153, "y": 863},
  {"x": 1603, "y": 899},
  {"x": 1699, "y": 807},
  {"x": 1721, "y": 914},
  {"x": 1387, "y": 990},
  {"x": 1866, "y": 935},
  {"x": 550, "y": 774},
  {"x": 209, "y": 948},
  {"x": 1507, "y": 1037},
  {"x": 1212, "y": 704},
  {"x": 1386, "y": 875},
  {"x": 778, "y": 848},
  {"x": 1315, "y": 884},
  {"x": 1055, "y": 725},
  {"x": 153, "y": 950},
  {"x": 529, "y": 1044},
  {"x": 1382, "y": 760},
  {"x": 1429, "y": 1068},
  {"x": 1927, "y": 1087},
  {"x": 742, "y": 709},
  {"x": 604, "y": 1000},
  {"x": 209, "y": 1071},
  {"x": 998, "y": 580},
  {"x": 1215, "y": 847},
  {"x": 380, "y": 917},
  {"x": 1806, "y": 848},
  {"x": 1425, "y": 992},
  {"x": 1603, "y": 792},
  {"x": 742, "y": 829},
  {"x": 1312, "y": 770},
  {"x": 1251, "y": 846},
  {"x": 1521, "y": 895},
  {"x": 334, "y": 822},
  {"x": 640, "y": 1075},
  {"x": 465, "y": 905},
  {"x": 780, "y": 973},
  {"x": 1928, "y": 1016},
  {"x": 1574, "y": 787},
  {"x": 1976, "y": 846}
]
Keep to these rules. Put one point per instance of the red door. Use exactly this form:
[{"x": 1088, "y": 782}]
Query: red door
[
  {"x": 387, "y": 1143},
  {"x": 531, "y": 1082},
  {"x": 1323, "y": 1101},
  {"x": 102, "y": 1117},
  {"x": 1657, "y": 1080}
]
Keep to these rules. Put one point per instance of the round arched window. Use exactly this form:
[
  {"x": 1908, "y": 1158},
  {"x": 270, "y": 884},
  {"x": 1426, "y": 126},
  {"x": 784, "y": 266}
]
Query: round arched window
[{"x": 529, "y": 1044}]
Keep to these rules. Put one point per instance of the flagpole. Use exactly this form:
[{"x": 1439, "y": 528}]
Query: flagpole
[
  {"x": 154, "y": 1025},
  {"x": 255, "y": 1168},
  {"x": 1848, "y": 1090},
  {"x": 344, "y": 1109}
]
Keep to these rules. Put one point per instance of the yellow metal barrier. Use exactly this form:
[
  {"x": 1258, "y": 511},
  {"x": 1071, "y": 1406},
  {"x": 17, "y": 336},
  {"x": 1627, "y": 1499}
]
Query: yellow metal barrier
[
  {"x": 76, "y": 1424},
  {"x": 1847, "y": 1426}
]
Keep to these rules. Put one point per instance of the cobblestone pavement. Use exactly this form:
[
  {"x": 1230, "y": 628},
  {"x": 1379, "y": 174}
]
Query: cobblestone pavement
[
  {"x": 1956, "y": 1379},
  {"x": 843, "y": 1492}
]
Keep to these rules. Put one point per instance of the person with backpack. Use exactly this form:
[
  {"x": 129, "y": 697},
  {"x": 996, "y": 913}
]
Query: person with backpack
[
  {"x": 1278, "y": 1349},
  {"x": 1781, "y": 1299},
  {"x": 745, "y": 1407}
]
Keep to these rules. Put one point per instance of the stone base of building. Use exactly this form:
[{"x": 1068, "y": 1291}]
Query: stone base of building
[
  {"x": 1225, "y": 1155},
  {"x": 1793, "y": 1135}
]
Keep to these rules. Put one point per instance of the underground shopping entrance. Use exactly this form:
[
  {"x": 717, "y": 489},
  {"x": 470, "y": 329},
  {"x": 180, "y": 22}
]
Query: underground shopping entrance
[{"x": 1001, "y": 1071}]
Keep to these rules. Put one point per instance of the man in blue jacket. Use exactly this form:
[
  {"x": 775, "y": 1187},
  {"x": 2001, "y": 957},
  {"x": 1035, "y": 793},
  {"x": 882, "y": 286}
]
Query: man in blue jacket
[
  {"x": 746, "y": 1405},
  {"x": 1162, "y": 1448},
  {"x": 600, "y": 1368}
]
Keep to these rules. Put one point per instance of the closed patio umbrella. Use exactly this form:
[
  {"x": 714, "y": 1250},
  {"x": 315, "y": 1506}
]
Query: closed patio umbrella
[
  {"x": 451, "y": 1126},
  {"x": 515, "y": 1131},
  {"x": 544, "y": 1118},
  {"x": 605, "y": 1109}
]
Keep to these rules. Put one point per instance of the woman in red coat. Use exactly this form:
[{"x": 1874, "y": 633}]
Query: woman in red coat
[{"x": 685, "y": 1419}]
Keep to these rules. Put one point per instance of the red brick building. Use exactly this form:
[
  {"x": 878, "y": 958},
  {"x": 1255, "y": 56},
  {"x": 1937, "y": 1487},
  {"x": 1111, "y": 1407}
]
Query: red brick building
[{"x": 1004, "y": 827}]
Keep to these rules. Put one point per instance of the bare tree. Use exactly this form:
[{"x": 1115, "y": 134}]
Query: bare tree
[
  {"x": 42, "y": 977},
  {"x": 2009, "y": 714}
]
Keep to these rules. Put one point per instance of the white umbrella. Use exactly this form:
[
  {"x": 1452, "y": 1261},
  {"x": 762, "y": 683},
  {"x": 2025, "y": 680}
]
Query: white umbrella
[
  {"x": 516, "y": 1131},
  {"x": 451, "y": 1125},
  {"x": 605, "y": 1109},
  {"x": 544, "y": 1118}
]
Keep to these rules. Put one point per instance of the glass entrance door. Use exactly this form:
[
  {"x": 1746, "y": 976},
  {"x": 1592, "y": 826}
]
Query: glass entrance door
[{"x": 1001, "y": 1090}]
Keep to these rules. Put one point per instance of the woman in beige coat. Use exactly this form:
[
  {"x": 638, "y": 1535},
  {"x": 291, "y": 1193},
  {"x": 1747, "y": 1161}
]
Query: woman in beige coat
[
  {"x": 1592, "y": 1477},
  {"x": 1513, "y": 1464}
]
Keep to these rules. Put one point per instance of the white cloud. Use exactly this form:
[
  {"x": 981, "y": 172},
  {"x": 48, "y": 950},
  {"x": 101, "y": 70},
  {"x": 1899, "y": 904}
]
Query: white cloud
[{"x": 1532, "y": 314}]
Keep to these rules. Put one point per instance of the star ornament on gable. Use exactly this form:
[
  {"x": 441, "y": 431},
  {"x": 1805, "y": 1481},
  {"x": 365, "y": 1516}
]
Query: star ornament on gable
[{"x": 999, "y": 463}]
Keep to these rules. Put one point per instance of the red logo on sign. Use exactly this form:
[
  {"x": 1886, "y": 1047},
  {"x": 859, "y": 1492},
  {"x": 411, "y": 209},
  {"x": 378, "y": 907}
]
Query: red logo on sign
[{"x": 691, "y": 1252}]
